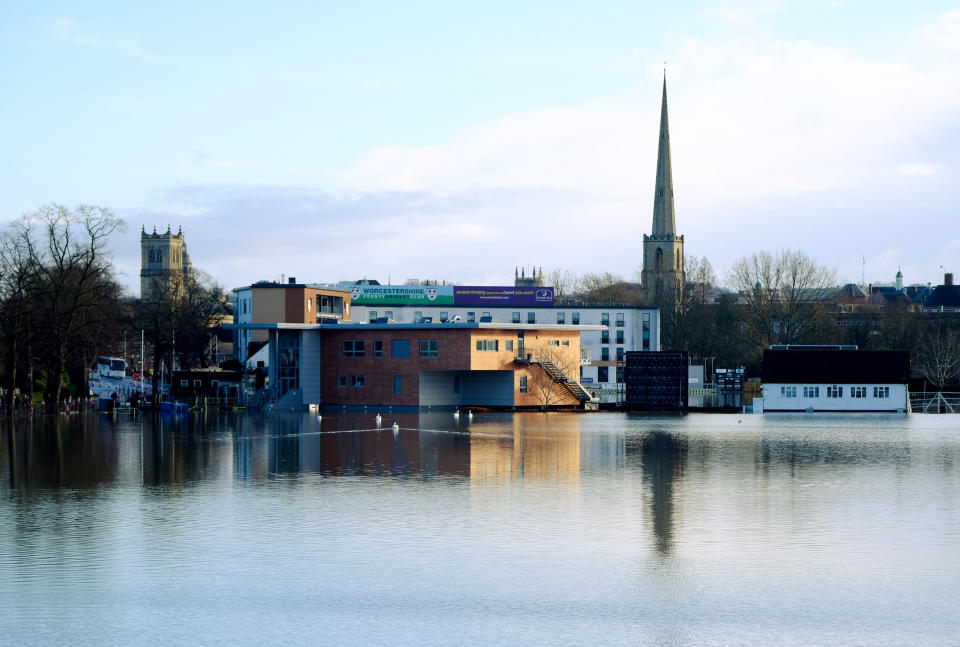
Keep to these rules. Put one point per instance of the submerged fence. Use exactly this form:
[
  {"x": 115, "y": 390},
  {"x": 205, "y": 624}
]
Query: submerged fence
[{"x": 935, "y": 402}]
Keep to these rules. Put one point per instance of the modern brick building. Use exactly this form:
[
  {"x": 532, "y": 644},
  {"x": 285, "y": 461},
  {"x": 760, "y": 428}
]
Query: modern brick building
[{"x": 391, "y": 365}]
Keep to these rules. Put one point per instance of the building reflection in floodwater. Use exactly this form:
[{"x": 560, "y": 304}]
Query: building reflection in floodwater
[{"x": 662, "y": 458}]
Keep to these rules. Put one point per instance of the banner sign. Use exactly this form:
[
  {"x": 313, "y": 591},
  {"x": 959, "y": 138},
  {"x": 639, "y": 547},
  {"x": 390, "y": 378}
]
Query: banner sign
[
  {"x": 502, "y": 296},
  {"x": 402, "y": 295}
]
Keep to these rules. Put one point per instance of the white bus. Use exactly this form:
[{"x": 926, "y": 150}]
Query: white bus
[{"x": 111, "y": 367}]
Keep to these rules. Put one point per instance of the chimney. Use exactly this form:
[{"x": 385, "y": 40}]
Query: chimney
[
  {"x": 292, "y": 280},
  {"x": 948, "y": 278}
]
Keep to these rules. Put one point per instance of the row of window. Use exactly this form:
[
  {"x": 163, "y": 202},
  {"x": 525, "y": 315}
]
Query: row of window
[
  {"x": 605, "y": 336},
  {"x": 603, "y": 374},
  {"x": 357, "y": 381},
  {"x": 835, "y": 392},
  {"x": 398, "y": 348}
]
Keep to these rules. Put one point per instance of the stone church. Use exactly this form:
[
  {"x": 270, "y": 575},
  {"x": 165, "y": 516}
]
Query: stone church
[
  {"x": 164, "y": 263},
  {"x": 662, "y": 272}
]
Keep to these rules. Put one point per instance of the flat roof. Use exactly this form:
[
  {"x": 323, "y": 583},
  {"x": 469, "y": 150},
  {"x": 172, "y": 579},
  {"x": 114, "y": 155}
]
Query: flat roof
[
  {"x": 271, "y": 285},
  {"x": 413, "y": 326}
]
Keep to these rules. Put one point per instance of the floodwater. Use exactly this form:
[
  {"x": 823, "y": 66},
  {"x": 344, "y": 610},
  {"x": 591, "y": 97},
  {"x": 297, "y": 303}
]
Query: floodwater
[{"x": 510, "y": 529}]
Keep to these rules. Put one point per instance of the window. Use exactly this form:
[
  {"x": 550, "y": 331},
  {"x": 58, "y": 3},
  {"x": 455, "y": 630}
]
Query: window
[
  {"x": 444, "y": 315},
  {"x": 565, "y": 342},
  {"x": 619, "y": 336},
  {"x": 531, "y": 317},
  {"x": 515, "y": 318},
  {"x": 371, "y": 315},
  {"x": 397, "y": 384},
  {"x": 811, "y": 391},
  {"x": 309, "y": 304},
  {"x": 184, "y": 383},
  {"x": 619, "y": 353},
  {"x": 619, "y": 374},
  {"x": 523, "y": 384},
  {"x": 400, "y": 348},
  {"x": 605, "y": 337},
  {"x": 605, "y": 354},
  {"x": 553, "y": 342},
  {"x": 471, "y": 317},
  {"x": 603, "y": 374},
  {"x": 378, "y": 348},
  {"x": 417, "y": 316},
  {"x": 484, "y": 315},
  {"x": 620, "y": 319},
  {"x": 508, "y": 345},
  {"x": 357, "y": 381},
  {"x": 561, "y": 317},
  {"x": 429, "y": 348},
  {"x": 858, "y": 391},
  {"x": 353, "y": 348},
  {"x": 388, "y": 314},
  {"x": 341, "y": 380},
  {"x": 788, "y": 391},
  {"x": 487, "y": 344},
  {"x": 575, "y": 318},
  {"x": 605, "y": 318},
  {"x": 834, "y": 391},
  {"x": 881, "y": 391}
]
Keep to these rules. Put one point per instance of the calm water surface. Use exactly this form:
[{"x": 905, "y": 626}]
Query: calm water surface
[{"x": 559, "y": 529}]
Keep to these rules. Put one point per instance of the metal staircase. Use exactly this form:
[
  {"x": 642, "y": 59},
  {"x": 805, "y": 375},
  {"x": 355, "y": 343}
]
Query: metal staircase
[{"x": 558, "y": 376}]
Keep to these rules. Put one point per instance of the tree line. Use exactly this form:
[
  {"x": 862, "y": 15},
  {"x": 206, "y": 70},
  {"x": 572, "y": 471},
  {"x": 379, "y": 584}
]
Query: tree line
[
  {"x": 782, "y": 297},
  {"x": 61, "y": 305}
]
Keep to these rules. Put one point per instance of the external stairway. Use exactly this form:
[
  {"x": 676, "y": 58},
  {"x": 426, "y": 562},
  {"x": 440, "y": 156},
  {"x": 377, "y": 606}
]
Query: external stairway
[{"x": 558, "y": 376}]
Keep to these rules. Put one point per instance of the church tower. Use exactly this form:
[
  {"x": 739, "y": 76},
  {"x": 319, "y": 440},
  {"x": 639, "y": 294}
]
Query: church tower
[
  {"x": 662, "y": 271},
  {"x": 164, "y": 263}
]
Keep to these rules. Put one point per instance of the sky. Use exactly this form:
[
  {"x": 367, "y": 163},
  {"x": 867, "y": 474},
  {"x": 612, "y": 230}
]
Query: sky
[{"x": 456, "y": 141}]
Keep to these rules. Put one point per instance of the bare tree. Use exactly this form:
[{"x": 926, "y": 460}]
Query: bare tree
[
  {"x": 563, "y": 281},
  {"x": 72, "y": 276},
  {"x": 606, "y": 287},
  {"x": 683, "y": 308},
  {"x": 555, "y": 367},
  {"x": 785, "y": 292},
  {"x": 16, "y": 310},
  {"x": 179, "y": 320},
  {"x": 938, "y": 357}
]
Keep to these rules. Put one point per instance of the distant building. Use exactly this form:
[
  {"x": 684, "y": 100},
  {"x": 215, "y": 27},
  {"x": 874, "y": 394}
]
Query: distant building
[
  {"x": 838, "y": 379},
  {"x": 520, "y": 278},
  {"x": 944, "y": 298},
  {"x": 662, "y": 273},
  {"x": 164, "y": 263}
]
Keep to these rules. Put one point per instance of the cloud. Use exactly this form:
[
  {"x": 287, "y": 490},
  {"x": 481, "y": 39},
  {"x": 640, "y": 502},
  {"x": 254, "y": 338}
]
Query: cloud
[
  {"x": 66, "y": 28},
  {"x": 775, "y": 143},
  {"x": 772, "y": 141}
]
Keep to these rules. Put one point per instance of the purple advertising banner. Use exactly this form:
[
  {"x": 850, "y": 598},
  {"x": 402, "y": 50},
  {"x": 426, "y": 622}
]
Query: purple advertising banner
[{"x": 496, "y": 296}]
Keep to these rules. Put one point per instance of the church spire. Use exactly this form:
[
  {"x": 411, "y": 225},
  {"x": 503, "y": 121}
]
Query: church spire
[{"x": 664, "y": 223}]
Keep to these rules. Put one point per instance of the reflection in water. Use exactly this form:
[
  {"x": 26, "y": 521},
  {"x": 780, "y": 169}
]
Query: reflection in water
[
  {"x": 44, "y": 452},
  {"x": 256, "y": 528},
  {"x": 540, "y": 447},
  {"x": 662, "y": 459}
]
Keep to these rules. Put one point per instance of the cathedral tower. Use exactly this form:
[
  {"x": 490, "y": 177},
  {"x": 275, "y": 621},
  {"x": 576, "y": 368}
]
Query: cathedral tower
[
  {"x": 662, "y": 271},
  {"x": 164, "y": 263}
]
